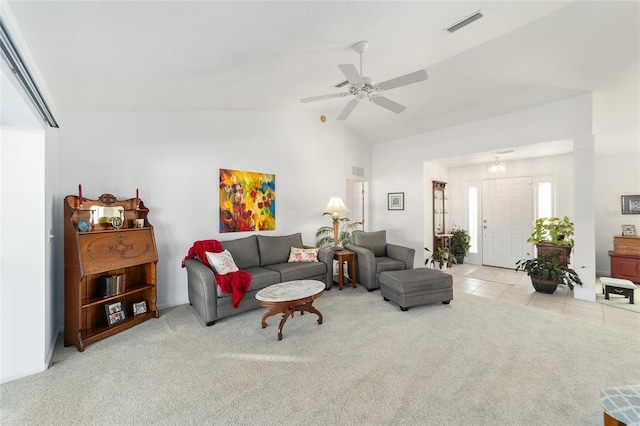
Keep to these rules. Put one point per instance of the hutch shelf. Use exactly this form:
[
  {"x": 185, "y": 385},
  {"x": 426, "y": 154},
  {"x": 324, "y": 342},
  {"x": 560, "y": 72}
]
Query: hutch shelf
[{"x": 106, "y": 237}]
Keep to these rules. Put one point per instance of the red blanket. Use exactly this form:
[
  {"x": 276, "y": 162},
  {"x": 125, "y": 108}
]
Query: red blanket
[{"x": 234, "y": 283}]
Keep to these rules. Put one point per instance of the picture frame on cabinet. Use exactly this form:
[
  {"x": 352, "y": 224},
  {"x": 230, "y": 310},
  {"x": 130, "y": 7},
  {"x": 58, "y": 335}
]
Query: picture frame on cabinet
[
  {"x": 628, "y": 230},
  {"x": 140, "y": 307},
  {"x": 395, "y": 201},
  {"x": 115, "y": 312},
  {"x": 630, "y": 204}
]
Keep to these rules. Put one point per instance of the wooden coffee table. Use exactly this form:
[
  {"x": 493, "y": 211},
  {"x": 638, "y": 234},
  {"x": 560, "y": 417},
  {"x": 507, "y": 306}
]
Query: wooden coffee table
[{"x": 289, "y": 297}]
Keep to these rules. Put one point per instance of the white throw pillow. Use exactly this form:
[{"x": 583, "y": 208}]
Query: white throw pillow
[{"x": 222, "y": 262}]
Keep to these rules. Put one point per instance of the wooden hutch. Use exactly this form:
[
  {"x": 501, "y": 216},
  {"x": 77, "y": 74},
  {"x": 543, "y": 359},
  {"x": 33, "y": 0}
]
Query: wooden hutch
[
  {"x": 441, "y": 239},
  {"x": 106, "y": 237}
]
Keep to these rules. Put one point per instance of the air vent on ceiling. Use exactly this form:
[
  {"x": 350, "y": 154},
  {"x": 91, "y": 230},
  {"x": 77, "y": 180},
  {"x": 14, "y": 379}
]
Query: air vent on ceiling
[
  {"x": 357, "y": 171},
  {"x": 466, "y": 21}
]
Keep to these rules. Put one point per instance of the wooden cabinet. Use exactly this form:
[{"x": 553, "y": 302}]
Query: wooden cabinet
[
  {"x": 95, "y": 246},
  {"x": 625, "y": 267},
  {"x": 563, "y": 253},
  {"x": 440, "y": 237},
  {"x": 627, "y": 245}
]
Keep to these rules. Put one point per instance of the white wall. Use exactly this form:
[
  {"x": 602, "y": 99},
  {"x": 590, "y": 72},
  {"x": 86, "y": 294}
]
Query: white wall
[
  {"x": 616, "y": 123},
  {"x": 615, "y": 175},
  {"x": 174, "y": 159},
  {"x": 398, "y": 165},
  {"x": 23, "y": 292},
  {"x": 29, "y": 182}
]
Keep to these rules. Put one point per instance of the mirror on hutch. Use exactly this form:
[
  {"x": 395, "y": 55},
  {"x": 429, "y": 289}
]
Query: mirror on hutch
[{"x": 440, "y": 237}]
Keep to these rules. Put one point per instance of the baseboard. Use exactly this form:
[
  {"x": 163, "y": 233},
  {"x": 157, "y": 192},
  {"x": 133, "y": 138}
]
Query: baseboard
[{"x": 52, "y": 349}]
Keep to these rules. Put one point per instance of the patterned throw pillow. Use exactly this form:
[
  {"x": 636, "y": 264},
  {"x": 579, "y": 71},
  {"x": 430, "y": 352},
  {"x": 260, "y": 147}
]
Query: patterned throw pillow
[
  {"x": 303, "y": 255},
  {"x": 222, "y": 262}
]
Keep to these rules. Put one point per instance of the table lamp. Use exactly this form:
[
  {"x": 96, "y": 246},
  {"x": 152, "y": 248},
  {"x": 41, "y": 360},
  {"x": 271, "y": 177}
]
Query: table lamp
[{"x": 335, "y": 206}]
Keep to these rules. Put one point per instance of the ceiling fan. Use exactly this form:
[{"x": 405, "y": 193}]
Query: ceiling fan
[{"x": 362, "y": 87}]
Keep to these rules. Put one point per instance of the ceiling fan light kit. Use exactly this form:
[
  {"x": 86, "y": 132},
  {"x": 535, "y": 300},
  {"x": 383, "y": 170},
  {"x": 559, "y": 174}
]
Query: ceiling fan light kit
[{"x": 363, "y": 87}]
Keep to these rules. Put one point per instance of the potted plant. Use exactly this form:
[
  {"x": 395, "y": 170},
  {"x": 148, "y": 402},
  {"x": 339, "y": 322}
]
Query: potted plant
[
  {"x": 442, "y": 257},
  {"x": 546, "y": 272},
  {"x": 460, "y": 244},
  {"x": 553, "y": 235},
  {"x": 324, "y": 235}
]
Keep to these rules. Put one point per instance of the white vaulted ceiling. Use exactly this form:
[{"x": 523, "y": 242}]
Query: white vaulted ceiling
[{"x": 218, "y": 55}]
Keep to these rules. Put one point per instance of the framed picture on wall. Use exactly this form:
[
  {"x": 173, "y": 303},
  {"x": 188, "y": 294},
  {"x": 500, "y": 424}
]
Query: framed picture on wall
[
  {"x": 628, "y": 230},
  {"x": 630, "y": 204},
  {"x": 395, "y": 201}
]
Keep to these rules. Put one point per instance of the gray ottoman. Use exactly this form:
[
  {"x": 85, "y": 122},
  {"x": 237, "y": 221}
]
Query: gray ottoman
[{"x": 413, "y": 287}]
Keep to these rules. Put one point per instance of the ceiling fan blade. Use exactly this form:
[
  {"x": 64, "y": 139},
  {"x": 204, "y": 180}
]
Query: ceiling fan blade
[
  {"x": 414, "y": 77},
  {"x": 347, "y": 110},
  {"x": 352, "y": 74},
  {"x": 388, "y": 104},
  {"x": 322, "y": 97}
]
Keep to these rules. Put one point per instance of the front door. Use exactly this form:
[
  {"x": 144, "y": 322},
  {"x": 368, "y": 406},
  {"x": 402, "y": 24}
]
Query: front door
[{"x": 507, "y": 217}]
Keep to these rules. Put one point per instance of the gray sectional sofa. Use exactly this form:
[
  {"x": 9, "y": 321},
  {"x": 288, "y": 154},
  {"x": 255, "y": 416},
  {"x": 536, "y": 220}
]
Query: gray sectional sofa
[{"x": 266, "y": 259}]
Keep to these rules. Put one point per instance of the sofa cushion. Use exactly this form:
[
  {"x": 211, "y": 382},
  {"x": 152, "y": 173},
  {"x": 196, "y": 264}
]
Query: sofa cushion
[
  {"x": 276, "y": 249},
  {"x": 374, "y": 241},
  {"x": 244, "y": 251},
  {"x": 299, "y": 271},
  {"x": 303, "y": 255},
  {"x": 222, "y": 262}
]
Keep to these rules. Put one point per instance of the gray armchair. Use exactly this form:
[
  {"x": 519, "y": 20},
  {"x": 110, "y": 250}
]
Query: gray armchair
[{"x": 374, "y": 255}]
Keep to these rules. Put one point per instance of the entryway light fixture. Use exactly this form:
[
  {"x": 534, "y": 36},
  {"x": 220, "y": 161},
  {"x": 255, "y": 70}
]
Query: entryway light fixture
[
  {"x": 335, "y": 206},
  {"x": 497, "y": 166}
]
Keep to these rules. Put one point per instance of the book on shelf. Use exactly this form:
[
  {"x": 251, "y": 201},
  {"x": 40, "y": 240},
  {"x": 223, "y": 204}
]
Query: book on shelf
[{"x": 111, "y": 285}]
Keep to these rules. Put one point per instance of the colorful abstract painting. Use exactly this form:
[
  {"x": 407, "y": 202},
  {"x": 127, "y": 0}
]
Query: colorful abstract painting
[{"x": 247, "y": 201}]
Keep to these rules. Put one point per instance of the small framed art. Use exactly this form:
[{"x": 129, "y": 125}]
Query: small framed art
[
  {"x": 139, "y": 308},
  {"x": 630, "y": 204},
  {"x": 115, "y": 312},
  {"x": 395, "y": 201},
  {"x": 629, "y": 230}
]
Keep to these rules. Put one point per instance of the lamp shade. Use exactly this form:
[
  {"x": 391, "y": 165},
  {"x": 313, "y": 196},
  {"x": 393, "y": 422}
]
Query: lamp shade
[{"x": 335, "y": 205}]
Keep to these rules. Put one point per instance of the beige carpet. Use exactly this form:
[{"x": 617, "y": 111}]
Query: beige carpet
[
  {"x": 474, "y": 362},
  {"x": 497, "y": 275}
]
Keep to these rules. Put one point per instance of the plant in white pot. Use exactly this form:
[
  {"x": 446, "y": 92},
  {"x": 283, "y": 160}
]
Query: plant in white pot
[{"x": 440, "y": 259}]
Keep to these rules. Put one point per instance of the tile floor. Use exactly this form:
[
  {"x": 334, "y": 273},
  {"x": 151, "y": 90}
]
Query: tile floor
[{"x": 561, "y": 302}]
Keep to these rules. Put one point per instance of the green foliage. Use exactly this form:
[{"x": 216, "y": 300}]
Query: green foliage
[
  {"x": 324, "y": 234},
  {"x": 548, "y": 267},
  {"x": 441, "y": 256},
  {"x": 552, "y": 230},
  {"x": 460, "y": 242}
]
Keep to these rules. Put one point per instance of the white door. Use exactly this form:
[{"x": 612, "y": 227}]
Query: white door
[
  {"x": 507, "y": 216},
  {"x": 355, "y": 202}
]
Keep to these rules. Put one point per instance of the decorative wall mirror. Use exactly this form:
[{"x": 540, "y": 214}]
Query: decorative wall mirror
[{"x": 102, "y": 214}]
